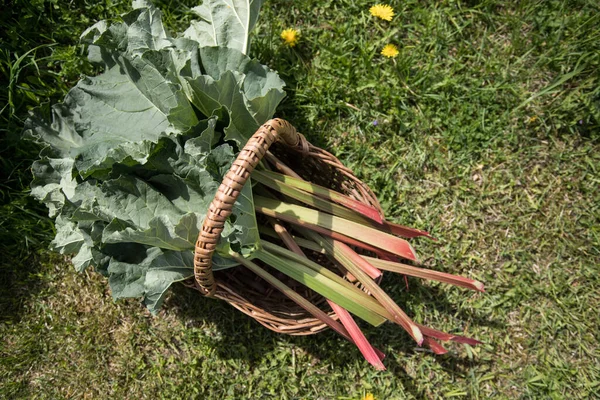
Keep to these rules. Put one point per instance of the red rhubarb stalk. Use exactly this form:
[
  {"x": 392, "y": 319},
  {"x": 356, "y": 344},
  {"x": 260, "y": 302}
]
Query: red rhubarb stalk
[
  {"x": 372, "y": 355},
  {"x": 314, "y": 219},
  {"x": 434, "y": 346},
  {"x": 426, "y": 274}
]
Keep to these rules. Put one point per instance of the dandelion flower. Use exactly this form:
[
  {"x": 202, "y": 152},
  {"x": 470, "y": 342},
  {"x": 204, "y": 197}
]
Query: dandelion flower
[
  {"x": 390, "y": 51},
  {"x": 290, "y": 36},
  {"x": 382, "y": 11},
  {"x": 369, "y": 396}
]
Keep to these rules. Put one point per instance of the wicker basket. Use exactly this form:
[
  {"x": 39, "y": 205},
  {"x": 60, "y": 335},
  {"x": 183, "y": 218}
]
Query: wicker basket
[{"x": 239, "y": 286}]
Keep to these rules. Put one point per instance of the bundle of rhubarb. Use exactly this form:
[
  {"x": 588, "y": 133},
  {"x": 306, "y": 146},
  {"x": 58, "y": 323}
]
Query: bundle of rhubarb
[{"x": 146, "y": 167}]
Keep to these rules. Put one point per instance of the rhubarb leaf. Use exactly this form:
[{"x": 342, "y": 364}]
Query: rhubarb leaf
[
  {"x": 150, "y": 278},
  {"x": 133, "y": 159},
  {"x": 224, "y": 23}
]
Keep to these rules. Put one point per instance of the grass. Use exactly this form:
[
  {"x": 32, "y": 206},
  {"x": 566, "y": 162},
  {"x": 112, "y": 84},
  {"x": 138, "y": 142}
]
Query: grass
[{"x": 487, "y": 136}]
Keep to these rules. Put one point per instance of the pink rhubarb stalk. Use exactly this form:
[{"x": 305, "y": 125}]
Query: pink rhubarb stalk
[
  {"x": 426, "y": 274},
  {"x": 405, "y": 231},
  {"x": 434, "y": 346},
  {"x": 372, "y": 355}
]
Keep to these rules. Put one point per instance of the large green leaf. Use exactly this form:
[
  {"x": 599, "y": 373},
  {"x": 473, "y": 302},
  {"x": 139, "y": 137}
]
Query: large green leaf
[
  {"x": 115, "y": 115},
  {"x": 140, "y": 30},
  {"x": 165, "y": 269},
  {"x": 210, "y": 95},
  {"x": 225, "y": 23},
  {"x": 150, "y": 278},
  {"x": 53, "y": 180},
  {"x": 261, "y": 86},
  {"x": 135, "y": 155},
  {"x": 247, "y": 90}
]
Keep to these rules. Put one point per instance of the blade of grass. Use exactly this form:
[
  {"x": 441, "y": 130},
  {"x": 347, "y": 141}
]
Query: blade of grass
[
  {"x": 314, "y": 219},
  {"x": 426, "y": 274},
  {"x": 558, "y": 82}
]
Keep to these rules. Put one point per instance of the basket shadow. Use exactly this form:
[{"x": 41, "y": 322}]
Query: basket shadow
[
  {"x": 437, "y": 296},
  {"x": 239, "y": 337}
]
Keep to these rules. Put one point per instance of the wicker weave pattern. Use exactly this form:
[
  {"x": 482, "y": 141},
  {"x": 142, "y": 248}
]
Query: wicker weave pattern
[
  {"x": 238, "y": 286},
  {"x": 229, "y": 190}
]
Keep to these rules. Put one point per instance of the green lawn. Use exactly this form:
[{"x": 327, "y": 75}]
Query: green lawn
[{"x": 487, "y": 134}]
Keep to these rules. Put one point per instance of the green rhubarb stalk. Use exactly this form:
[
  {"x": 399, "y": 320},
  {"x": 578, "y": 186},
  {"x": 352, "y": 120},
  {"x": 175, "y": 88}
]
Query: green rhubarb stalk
[
  {"x": 334, "y": 235},
  {"x": 328, "y": 194},
  {"x": 277, "y": 163},
  {"x": 426, "y": 273},
  {"x": 349, "y": 259},
  {"x": 310, "y": 199},
  {"x": 327, "y": 288},
  {"x": 307, "y": 193},
  {"x": 293, "y": 295},
  {"x": 372, "y": 355},
  {"x": 367, "y": 215},
  {"x": 286, "y": 238},
  {"x": 307, "y": 244},
  {"x": 369, "y": 269},
  {"x": 302, "y": 262},
  {"x": 315, "y": 219}
]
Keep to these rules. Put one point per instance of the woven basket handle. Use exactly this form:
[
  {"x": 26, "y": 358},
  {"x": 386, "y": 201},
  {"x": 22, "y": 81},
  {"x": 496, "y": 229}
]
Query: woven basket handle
[{"x": 230, "y": 188}]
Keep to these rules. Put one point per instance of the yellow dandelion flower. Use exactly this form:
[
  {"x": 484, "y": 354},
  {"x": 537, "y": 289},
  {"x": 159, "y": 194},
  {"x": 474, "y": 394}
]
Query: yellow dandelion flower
[
  {"x": 382, "y": 11},
  {"x": 390, "y": 51},
  {"x": 290, "y": 36},
  {"x": 369, "y": 396}
]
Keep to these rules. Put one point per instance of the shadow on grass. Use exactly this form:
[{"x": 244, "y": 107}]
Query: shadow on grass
[
  {"x": 25, "y": 229},
  {"x": 437, "y": 297},
  {"x": 240, "y": 337},
  {"x": 19, "y": 280}
]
